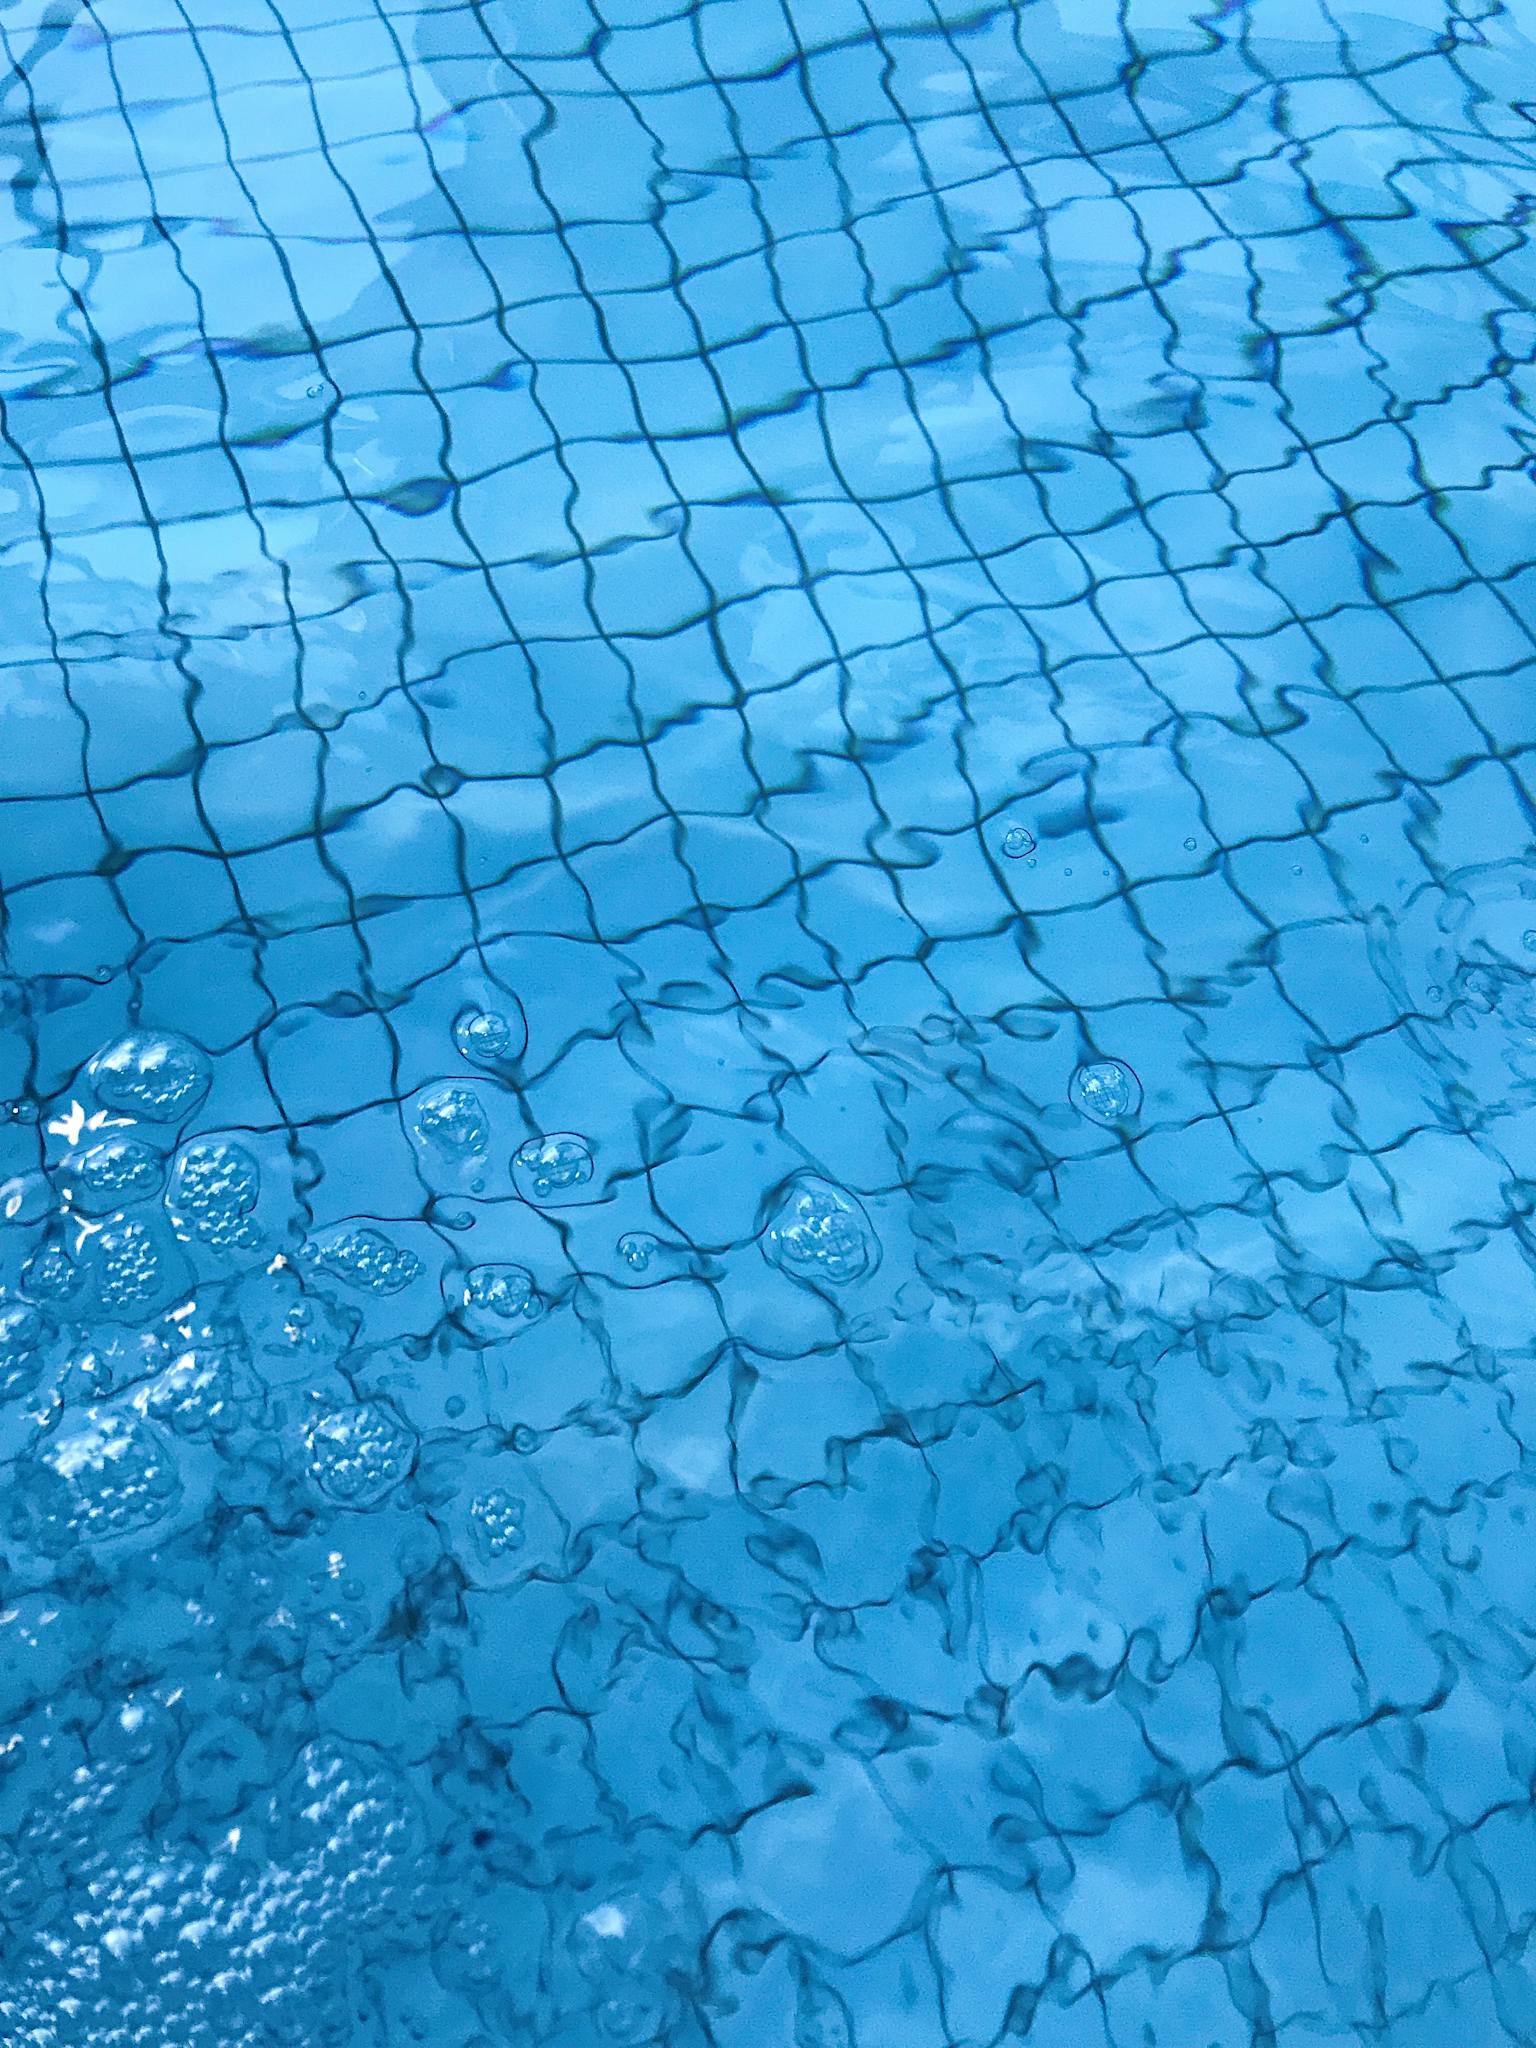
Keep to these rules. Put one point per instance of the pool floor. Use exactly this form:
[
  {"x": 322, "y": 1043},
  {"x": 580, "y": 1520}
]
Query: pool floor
[{"x": 768, "y": 963}]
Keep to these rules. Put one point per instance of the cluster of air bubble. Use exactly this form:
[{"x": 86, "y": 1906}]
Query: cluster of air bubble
[
  {"x": 488, "y": 1038},
  {"x": 308, "y": 1444},
  {"x": 51, "y": 1278},
  {"x": 157, "y": 1075},
  {"x": 23, "y": 1335},
  {"x": 112, "y": 1211},
  {"x": 553, "y": 1169},
  {"x": 126, "y": 1263},
  {"x": 197, "y": 1392},
  {"x": 359, "y": 1454},
  {"x": 111, "y": 1175},
  {"x": 450, "y": 1124},
  {"x": 495, "y": 1302},
  {"x": 249, "y": 1937},
  {"x": 215, "y": 1186},
  {"x": 498, "y": 1519},
  {"x": 366, "y": 1260},
  {"x": 100, "y": 1475}
]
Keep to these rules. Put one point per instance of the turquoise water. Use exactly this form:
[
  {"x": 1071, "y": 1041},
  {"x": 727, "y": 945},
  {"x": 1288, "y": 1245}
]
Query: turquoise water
[{"x": 770, "y": 1025}]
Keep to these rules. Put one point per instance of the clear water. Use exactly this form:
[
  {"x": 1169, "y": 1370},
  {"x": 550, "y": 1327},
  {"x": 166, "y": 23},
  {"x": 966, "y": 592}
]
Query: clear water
[{"x": 770, "y": 1024}]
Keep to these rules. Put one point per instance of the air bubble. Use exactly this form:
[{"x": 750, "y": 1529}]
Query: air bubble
[
  {"x": 486, "y": 1037},
  {"x": 1018, "y": 841},
  {"x": 494, "y": 1302},
  {"x": 1105, "y": 1091},
  {"x": 451, "y": 1120},
  {"x": 637, "y": 1249},
  {"x": 551, "y": 1169},
  {"x": 820, "y": 1232}
]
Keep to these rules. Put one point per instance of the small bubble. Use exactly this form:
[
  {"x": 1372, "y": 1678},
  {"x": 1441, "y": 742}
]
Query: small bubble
[
  {"x": 484, "y": 1037},
  {"x": 1435, "y": 991},
  {"x": 637, "y": 1249},
  {"x": 1190, "y": 845},
  {"x": 1018, "y": 841},
  {"x": 1528, "y": 940}
]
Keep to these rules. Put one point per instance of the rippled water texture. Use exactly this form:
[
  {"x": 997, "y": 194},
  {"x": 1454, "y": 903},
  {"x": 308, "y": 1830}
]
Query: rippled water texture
[{"x": 770, "y": 1024}]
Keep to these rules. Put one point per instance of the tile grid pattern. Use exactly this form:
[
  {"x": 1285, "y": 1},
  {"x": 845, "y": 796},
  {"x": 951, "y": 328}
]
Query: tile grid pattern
[{"x": 630, "y": 519}]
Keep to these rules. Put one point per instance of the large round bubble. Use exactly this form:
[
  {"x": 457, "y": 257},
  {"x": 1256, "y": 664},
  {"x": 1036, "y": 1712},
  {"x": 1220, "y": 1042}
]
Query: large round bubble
[
  {"x": 1105, "y": 1091},
  {"x": 819, "y": 1232},
  {"x": 489, "y": 1038}
]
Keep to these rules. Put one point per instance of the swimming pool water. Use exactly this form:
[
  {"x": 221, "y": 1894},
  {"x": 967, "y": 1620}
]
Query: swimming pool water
[{"x": 770, "y": 1024}]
